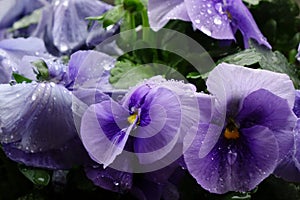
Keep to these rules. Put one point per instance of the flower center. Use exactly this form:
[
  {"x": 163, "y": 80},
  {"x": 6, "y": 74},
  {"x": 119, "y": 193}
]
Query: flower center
[
  {"x": 131, "y": 119},
  {"x": 231, "y": 131}
]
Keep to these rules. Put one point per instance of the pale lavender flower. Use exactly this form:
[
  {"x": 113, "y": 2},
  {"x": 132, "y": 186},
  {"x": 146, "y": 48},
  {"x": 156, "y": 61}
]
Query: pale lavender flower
[{"x": 248, "y": 130}]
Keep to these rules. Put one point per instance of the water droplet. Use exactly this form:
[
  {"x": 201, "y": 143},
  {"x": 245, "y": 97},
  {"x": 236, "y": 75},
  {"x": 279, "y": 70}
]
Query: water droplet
[
  {"x": 52, "y": 84},
  {"x": 231, "y": 157},
  {"x": 217, "y": 20},
  {"x": 209, "y": 11},
  {"x": 219, "y": 8},
  {"x": 33, "y": 97},
  {"x": 205, "y": 30},
  {"x": 212, "y": 158},
  {"x": 197, "y": 21},
  {"x": 116, "y": 183},
  {"x": 41, "y": 179}
]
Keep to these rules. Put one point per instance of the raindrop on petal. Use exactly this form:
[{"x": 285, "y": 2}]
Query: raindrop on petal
[
  {"x": 205, "y": 30},
  {"x": 231, "y": 157}
]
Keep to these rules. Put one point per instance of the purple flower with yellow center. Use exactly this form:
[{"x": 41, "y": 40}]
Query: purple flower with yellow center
[
  {"x": 149, "y": 123},
  {"x": 248, "y": 129},
  {"x": 36, "y": 118},
  {"x": 219, "y": 19},
  {"x": 64, "y": 26}
]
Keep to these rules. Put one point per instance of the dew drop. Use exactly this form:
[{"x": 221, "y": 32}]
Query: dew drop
[
  {"x": 231, "y": 157},
  {"x": 33, "y": 97},
  {"x": 197, "y": 21},
  {"x": 209, "y": 11},
  {"x": 217, "y": 20},
  {"x": 205, "y": 30},
  {"x": 116, "y": 183},
  {"x": 219, "y": 8}
]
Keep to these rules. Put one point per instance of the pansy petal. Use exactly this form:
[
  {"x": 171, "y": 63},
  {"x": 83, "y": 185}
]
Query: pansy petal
[
  {"x": 12, "y": 52},
  {"x": 235, "y": 82},
  {"x": 10, "y": 11},
  {"x": 208, "y": 17},
  {"x": 234, "y": 166},
  {"x": 36, "y": 116},
  {"x": 104, "y": 131},
  {"x": 274, "y": 114},
  {"x": 70, "y": 154},
  {"x": 110, "y": 179},
  {"x": 69, "y": 24},
  {"x": 287, "y": 169},
  {"x": 296, "y": 108},
  {"x": 160, "y": 13},
  {"x": 87, "y": 68},
  {"x": 159, "y": 128},
  {"x": 242, "y": 18}
]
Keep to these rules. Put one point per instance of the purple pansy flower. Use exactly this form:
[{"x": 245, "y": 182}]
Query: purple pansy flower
[
  {"x": 248, "y": 129},
  {"x": 152, "y": 119},
  {"x": 64, "y": 26},
  {"x": 216, "y": 18},
  {"x": 36, "y": 119}
]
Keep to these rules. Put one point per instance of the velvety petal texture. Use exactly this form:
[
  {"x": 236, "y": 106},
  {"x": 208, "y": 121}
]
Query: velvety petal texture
[
  {"x": 250, "y": 131},
  {"x": 215, "y": 18},
  {"x": 36, "y": 121}
]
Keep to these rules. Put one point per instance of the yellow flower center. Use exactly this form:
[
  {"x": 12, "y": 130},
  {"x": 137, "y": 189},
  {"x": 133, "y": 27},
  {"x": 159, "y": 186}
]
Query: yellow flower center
[
  {"x": 231, "y": 133},
  {"x": 132, "y": 118}
]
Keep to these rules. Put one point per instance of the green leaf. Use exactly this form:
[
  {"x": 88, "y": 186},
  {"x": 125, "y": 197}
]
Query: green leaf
[
  {"x": 27, "y": 20},
  {"x": 42, "y": 72},
  {"x": 125, "y": 74},
  {"x": 252, "y": 2},
  {"x": 20, "y": 79},
  {"x": 113, "y": 16},
  {"x": 39, "y": 177},
  {"x": 245, "y": 58},
  {"x": 133, "y": 5},
  {"x": 194, "y": 75}
]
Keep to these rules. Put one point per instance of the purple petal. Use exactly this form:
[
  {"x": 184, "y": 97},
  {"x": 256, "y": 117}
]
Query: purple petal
[
  {"x": 234, "y": 166},
  {"x": 12, "y": 52},
  {"x": 243, "y": 20},
  {"x": 160, "y": 13},
  {"x": 104, "y": 131},
  {"x": 89, "y": 68},
  {"x": 230, "y": 82},
  {"x": 37, "y": 123},
  {"x": 110, "y": 179},
  {"x": 159, "y": 125},
  {"x": 37, "y": 116},
  {"x": 69, "y": 23},
  {"x": 70, "y": 154},
  {"x": 209, "y": 17},
  {"x": 296, "y": 108},
  {"x": 31, "y": 45},
  {"x": 266, "y": 109},
  {"x": 10, "y": 11},
  {"x": 287, "y": 169}
]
